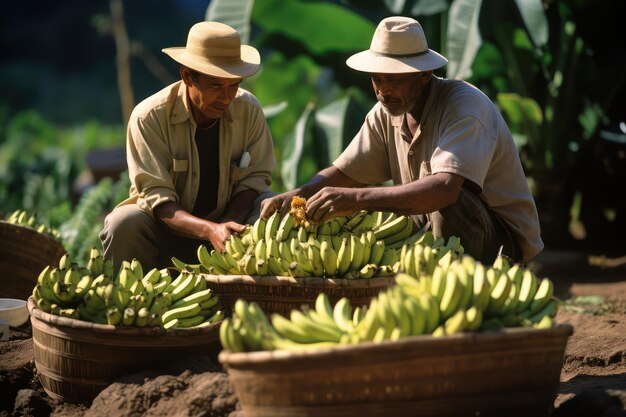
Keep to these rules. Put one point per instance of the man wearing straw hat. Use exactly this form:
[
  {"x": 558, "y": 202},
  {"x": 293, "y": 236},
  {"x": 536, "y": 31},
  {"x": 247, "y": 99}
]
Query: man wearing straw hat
[
  {"x": 444, "y": 145},
  {"x": 200, "y": 156}
]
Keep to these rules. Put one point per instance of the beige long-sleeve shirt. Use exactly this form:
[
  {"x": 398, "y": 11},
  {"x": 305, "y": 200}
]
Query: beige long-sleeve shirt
[{"x": 163, "y": 162}]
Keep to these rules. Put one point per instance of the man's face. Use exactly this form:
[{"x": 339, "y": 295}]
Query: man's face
[
  {"x": 398, "y": 93},
  {"x": 210, "y": 95}
]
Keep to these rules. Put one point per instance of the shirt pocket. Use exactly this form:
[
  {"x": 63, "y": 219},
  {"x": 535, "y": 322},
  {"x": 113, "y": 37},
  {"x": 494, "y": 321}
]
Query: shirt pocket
[
  {"x": 179, "y": 172},
  {"x": 237, "y": 174}
]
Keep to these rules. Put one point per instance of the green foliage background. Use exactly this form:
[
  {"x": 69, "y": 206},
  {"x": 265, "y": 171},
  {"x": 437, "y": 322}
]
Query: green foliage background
[{"x": 536, "y": 60}]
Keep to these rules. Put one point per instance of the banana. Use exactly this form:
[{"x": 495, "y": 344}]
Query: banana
[
  {"x": 196, "y": 297},
  {"x": 285, "y": 328},
  {"x": 390, "y": 257},
  {"x": 262, "y": 268},
  {"x": 417, "y": 315},
  {"x": 550, "y": 310},
  {"x": 396, "y": 299},
  {"x": 65, "y": 262},
  {"x": 342, "y": 314},
  {"x": 457, "y": 323},
  {"x": 317, "y": 263},
  {"x": 184, "y": 288},
  {"x": 376, "y": 252},
  {"x": 445, "y": 257},
  {"x": 128, "y": 317},
  {"x": 204, "y": 257},
  {"x": 355, "y": 220},
  {"x": 438, "y": 284},
  {"x": 285, "y": 251},
  {"x": 499, "y": 294},
  {"x": 258, "y": 230},
  {"x": 260, "y": 250},
  {"x": 329, "y": 258},
  {"x": 501, "y": 263},
  {"x": 389, "y": 229},
  {"x": 302, "y": 235},
  {"x": 367, "y": 271},
  {"x": 385, "y": 315},
  {"x": 287, "y": 223},
  {"x": 275, "y": 267},
  {"x": 189, "y": 310},
  {"x": 324, "y": 309},
  {"x": 179, "y": 264},
  {"x": 481, "y": 288},
  {"x": 542, "y": 296},
  {"x": 356, "y": 253},
  {"x": 303, "y": 260},
  {"x": 125, "y": 278},
  {"x": 344, "y": 257},
  {"x": 452, "y": 295},
  {"x": 473, "y": 318},
  {"x": 317, "y": 332},
  {"x": 527, "y": 291},
  {"x": 408, "y": 282},
  {"x": 273, "y": 222},
  {"x": 114, "y": 316},
  {"x": 401, "y": 235},
  {"x": 467, "y": 284}
]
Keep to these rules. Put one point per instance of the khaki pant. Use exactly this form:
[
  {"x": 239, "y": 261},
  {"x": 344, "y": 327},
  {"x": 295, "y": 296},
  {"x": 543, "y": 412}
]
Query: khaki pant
[
  {"x": 483, "y": 233},
  {"x": 130, "y": 233}
]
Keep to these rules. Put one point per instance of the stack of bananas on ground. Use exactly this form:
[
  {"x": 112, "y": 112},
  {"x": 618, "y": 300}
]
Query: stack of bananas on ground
[
  {"x": 461, "y": 296},
  {"x": 126, "y": 298},
  {"x": 363, "y": 245},
  {"x": 23, "y": 218}
]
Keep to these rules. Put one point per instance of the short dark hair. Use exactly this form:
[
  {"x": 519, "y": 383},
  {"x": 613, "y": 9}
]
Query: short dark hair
[{"x": 195, "y": 75}]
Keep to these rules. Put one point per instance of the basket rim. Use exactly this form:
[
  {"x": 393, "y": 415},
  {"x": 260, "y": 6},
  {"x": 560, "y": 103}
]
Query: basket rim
[
  {"x": 309, "y": 282},
  {"x": 74, "y": 324},
  {"x": 429, "y": 342},
  {"x": 42, "y": 236}
]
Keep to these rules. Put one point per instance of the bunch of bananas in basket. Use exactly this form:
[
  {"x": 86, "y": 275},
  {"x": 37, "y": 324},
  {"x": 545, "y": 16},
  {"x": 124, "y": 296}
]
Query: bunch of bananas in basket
[
  {"x": 363, "y": 245},
  {"x": 23, "y": 218},
  {"x": 458, "y": 296},
  {"x": 127, "y": 298}
]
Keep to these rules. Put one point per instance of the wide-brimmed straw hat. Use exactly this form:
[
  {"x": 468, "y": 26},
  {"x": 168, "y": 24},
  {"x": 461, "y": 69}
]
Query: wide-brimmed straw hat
[
  {"x": 398, "y": 46},
  {"x": 215, "y": 49}
]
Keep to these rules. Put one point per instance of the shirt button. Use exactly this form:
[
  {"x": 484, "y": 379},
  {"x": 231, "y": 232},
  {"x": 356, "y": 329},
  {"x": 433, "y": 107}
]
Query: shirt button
[{"x": 410, "y": 153}]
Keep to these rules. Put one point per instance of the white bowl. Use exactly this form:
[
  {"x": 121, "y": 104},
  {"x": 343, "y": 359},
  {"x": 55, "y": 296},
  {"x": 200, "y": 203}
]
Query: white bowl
[{"x": 13, "y": 312}]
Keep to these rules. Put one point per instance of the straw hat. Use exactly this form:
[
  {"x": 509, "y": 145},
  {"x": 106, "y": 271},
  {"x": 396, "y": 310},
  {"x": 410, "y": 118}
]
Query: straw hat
[
  {"x": 398, "y": 46},
  {"x": 215, "y": 49}
]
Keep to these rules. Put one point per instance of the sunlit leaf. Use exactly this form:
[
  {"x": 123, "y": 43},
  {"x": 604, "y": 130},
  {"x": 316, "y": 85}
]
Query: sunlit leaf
[
  {"x": 535, "y": 20},
  {"x": 463, "y": 37},
  {"x": 294, "y": 145},
  {"x": 320, "y": 27},
  {"x": 234, "y": 13}
]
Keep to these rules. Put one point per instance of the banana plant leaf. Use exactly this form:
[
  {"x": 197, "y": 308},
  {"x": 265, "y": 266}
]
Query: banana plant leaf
[
  {"x": 234, "y": 13},
  {"x": 320, "y": 27},
  {"x": 463, "y": 38}
]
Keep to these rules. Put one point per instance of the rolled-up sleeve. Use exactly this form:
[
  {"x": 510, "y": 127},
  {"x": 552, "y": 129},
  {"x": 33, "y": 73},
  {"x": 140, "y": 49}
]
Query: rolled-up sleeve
[{"x": 149, "y": 164}]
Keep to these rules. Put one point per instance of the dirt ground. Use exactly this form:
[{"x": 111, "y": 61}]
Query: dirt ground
[{"x": 593, "y": 377}]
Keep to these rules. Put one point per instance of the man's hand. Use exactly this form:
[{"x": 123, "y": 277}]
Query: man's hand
[
  {"x": 219, "y": 233},
  {"x": 281, "y": 202},
  {"x": 331, "y": 202}
]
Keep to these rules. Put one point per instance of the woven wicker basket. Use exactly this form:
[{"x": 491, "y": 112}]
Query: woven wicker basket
[
  {"x": 75, "y": 359},
  {"x": 513, "y": 373},
  {"x": 24, "y": 252},
  {"x": 277, "y": 294}
]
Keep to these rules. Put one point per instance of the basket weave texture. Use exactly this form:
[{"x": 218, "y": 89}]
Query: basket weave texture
[
  {"x": 24, "y": 252},
  {"x": 278, "y": 294},
  {"x": 513, "y": 373},
  {"x": 75, "y": 359}
]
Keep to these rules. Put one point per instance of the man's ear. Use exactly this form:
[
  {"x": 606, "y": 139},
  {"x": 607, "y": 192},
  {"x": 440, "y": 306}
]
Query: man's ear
[{"x": 185, "y": 75}]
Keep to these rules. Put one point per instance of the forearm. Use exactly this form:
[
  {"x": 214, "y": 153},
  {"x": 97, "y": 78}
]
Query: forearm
[
  {"x": 328, "y": 177},
  {"x": 425, "y": 195},
  {"x": 240, "y": 206},
  {"x": 180, "y": 222}
]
